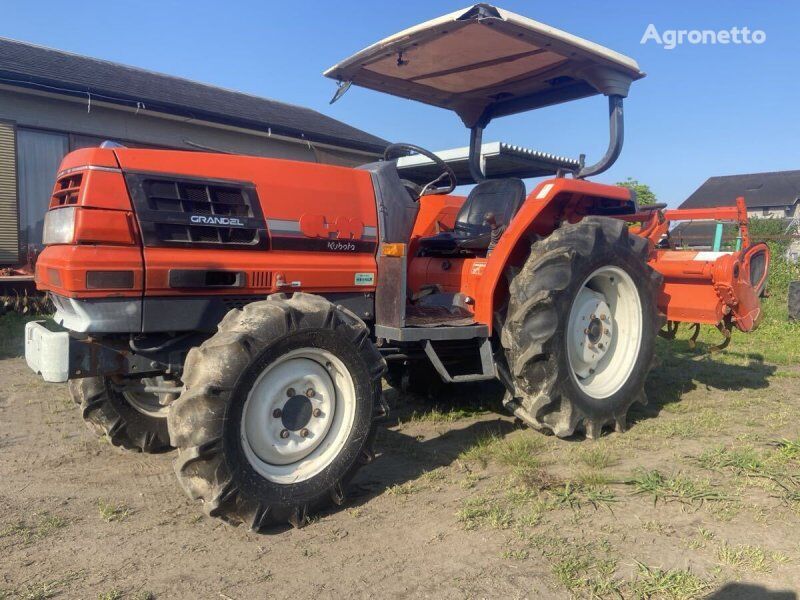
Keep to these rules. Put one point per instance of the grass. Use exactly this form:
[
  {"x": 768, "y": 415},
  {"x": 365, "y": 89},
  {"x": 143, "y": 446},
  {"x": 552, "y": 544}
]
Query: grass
[
  {"x": 43, "y": 525},
  {"x": 41, "y": 590},
  {"x": 484, "y": 512},
  {"x": 596, "y": 457},
  {"x": 672, "y": 584},
  {"x": 113, "y": 512},
  {"x": 111, "y": 595},
  {"x": 522, "y": 452},
  {"x": 590, "y": 570},
  {"x": 437, "y": 416},
  {"x": 676, "y": 487},
  {"x": 745, "y": 558},
  {"x": 774, "y": 468}
]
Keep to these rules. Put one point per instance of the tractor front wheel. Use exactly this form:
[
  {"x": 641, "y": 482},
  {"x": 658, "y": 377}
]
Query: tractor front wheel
[
  {"x": 579, "y": 334},
  {"x": 278, "y": 411},
  {"x": 134, "y": 420}
]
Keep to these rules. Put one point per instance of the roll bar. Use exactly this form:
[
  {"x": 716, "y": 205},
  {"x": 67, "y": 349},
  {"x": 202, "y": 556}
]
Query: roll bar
[{"x": 616, "y": 126}]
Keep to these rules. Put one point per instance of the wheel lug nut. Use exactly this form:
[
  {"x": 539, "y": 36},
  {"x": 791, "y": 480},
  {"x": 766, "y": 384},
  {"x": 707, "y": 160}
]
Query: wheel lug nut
[
  {"x": 284, "y": 433},
  {"x": 310, "y": 392},
  {"x": 290, "y": 392},
  {"x": 328, "y": 365},
  {"x": 606, "y": 331},
  {"x": 586, "y": 331},
  {"x": 277, "y": 413},
  {"x": 304, "y": 432},
  {"x": 316, "y": 412}
]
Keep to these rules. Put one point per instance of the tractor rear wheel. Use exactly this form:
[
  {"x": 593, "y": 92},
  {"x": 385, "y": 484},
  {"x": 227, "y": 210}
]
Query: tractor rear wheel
[
  {"x": 278, "y": 411},
  {"x": 130, "y": 420},
  {"x": 580, "y": 330}
]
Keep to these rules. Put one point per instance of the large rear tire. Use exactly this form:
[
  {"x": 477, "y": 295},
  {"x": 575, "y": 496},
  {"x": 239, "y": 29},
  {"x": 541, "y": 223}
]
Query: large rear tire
[
  {"x": 580, "y": 329},
  {"x": 135, "y": 422},
  {"x": 278, "y": 411}
]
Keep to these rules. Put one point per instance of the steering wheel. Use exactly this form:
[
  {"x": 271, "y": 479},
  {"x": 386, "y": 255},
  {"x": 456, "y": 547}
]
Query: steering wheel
[{"x": 400, "y": 149}]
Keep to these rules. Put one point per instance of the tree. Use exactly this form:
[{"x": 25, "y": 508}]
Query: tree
[{"x": 644, "y": 195}]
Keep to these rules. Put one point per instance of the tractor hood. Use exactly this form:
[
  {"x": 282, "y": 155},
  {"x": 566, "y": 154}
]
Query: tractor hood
[{"x": 485, "y": 62}]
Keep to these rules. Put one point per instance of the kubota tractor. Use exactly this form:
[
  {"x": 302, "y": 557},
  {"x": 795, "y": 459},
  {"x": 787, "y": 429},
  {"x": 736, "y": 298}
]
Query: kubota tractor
[{"x": 244, "y": 310}]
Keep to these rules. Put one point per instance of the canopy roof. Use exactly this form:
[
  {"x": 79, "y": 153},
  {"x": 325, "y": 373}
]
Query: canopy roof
[{"x": 484, "y": 62}]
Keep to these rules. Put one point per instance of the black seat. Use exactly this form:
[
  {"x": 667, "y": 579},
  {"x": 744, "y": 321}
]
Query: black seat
[{"x": 500, "y": 197}]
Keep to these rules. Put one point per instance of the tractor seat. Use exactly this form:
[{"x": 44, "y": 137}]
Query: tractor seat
[{"x": 471, "y": 233}]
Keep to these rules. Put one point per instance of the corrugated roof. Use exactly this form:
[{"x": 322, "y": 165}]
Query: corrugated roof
[
  {"x": 32, "y": 66},
  {"x": 760, "y": 190},
  {"x": 499, "y": 160}
]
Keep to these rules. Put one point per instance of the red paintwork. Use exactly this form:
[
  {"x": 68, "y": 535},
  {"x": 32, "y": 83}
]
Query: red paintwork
[
  {"x": 563, "y": 200},
  {"x": 288, "y": 190},
  {"x": 326, "y": 200}
]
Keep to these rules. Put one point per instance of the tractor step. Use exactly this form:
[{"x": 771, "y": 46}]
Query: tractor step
[
  {"x": 441, "y": 333},
  {"x": 487, "y": 364},
  {"x": 435, "y": 316}
]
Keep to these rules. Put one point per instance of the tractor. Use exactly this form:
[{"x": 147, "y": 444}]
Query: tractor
[{"x": 244, "y": 310}]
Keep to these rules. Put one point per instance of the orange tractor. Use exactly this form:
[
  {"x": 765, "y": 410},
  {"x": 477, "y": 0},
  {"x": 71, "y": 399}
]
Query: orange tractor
[{"x": 245, "y": 310}]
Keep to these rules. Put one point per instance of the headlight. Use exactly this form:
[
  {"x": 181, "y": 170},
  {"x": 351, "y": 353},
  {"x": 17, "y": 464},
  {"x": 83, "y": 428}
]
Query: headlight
[{"x": 59, "y": 226}]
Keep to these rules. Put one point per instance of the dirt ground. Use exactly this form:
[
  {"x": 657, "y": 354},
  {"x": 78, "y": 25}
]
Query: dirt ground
[{"x": 701, "y": 496}]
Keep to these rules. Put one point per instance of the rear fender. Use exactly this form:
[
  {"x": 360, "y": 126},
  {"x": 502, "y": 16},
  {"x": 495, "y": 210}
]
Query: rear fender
[{"x": 551, "y": 203}]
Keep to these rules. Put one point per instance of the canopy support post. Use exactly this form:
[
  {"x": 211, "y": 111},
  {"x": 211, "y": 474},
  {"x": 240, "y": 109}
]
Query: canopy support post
[
  {"x": 474, "y": 161},
  {"x": 616, "y": 135}
]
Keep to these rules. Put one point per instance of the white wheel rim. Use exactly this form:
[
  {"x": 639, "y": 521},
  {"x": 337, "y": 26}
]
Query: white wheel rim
[
  {"x": 604, "y": 332},
  {"x": 298, "y": 415}
]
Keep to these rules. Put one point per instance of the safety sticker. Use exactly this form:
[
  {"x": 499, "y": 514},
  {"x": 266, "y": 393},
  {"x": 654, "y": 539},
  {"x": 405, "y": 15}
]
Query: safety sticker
[
  {"x": 478, "y": 267},
  {"x": 365, "y": 279}
]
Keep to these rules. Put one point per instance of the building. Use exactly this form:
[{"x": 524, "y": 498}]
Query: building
[
  {"x": 767, "y": 195},
  {"x": 53, "y": 102}
]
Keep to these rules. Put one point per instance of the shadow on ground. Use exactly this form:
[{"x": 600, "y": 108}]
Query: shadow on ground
[
  {"x": 750, "y": 591},
  {"x": 405, "y": 457},
  {"x": 677, "y": 373}
]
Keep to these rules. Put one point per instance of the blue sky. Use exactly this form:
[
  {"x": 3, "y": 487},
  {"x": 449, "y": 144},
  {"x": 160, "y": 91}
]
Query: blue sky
[{"x": 701, "y": 111}]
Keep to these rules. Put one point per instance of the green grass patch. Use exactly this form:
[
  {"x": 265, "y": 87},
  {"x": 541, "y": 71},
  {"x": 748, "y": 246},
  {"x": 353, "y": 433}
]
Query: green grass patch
[
  {"x": 745, "y": 558},
  {"x": 596, "y": 456},
  {"x": 112, "y": 512},
  {"x": 484, "y": 512},
  {"x": 676, "y": 487},
  {"x": 443, "y": 416},
  {"x": 520, "y": 451},
  {"x": 653, "y": 583},
  {"x": 43, "y": 525},
  {"x": 774, "y": 468}
]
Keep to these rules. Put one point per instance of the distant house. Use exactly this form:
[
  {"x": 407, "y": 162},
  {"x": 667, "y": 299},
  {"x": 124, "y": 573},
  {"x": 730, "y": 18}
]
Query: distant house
[
  {"x": 53, "y": 102},
  {"x": 767, "y": 195},
  {"x": 773, "y": 195}
]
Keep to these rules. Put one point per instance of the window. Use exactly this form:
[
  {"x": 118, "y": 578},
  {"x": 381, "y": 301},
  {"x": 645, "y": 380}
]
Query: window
[{"x": 39, "y": 155}]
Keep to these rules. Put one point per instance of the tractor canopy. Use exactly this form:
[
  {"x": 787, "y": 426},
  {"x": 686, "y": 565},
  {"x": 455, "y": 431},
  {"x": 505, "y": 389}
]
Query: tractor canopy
[{"x": 484, "y": 62}]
